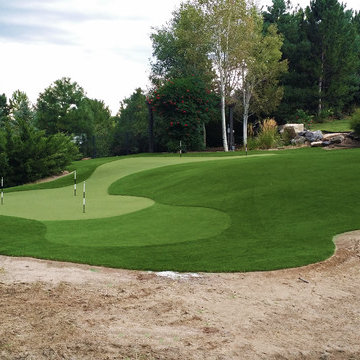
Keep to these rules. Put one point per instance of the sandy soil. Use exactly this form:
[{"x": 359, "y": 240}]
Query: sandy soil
[
  {"x": 50, "y": 178},
  {"x": 53, "y": 310}
]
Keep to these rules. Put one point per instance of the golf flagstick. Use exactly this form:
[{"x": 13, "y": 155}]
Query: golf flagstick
[
  {"x": 84, "y": 199},
  {"x": 75, "y": 183},
  {"x": 2, "y": 191}
]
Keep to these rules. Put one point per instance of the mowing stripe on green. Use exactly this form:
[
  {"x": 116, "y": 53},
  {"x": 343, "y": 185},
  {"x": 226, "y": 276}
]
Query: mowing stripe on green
[
  {"x": 259, "y": 213},
  {"x": 61, "y": 204}
]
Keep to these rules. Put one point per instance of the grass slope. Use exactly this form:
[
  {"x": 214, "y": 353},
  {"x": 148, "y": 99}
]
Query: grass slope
[
  {"x": 257, "y": 213},
  {"x": 60, "y": 204},
  {"x": 338, "y": 125}
]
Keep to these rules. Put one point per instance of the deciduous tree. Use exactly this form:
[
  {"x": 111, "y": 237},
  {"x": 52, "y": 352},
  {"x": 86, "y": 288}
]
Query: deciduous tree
[
  {"x": 131, "y": 130},
  {"x": 185, "y": 105},
  {"x": 226, "y": 23},
  {"x": 56, "y": 106},
  {"x": 180, "y": 48},
  {"x": 261, "y": 69}
]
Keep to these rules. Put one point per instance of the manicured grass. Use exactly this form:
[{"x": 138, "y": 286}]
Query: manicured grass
[
  {"x": 340, "y": 125},
  {"x": 60, "y": 204},
  {"x": 236, "y": 214},
  {"x": 84, "y": 169}
]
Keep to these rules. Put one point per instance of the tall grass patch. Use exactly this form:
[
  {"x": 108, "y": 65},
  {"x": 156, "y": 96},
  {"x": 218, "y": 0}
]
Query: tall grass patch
[{"x": 267, "y": 138}]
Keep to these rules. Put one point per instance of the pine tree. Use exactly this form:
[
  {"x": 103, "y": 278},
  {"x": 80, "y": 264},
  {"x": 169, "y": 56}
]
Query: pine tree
[
  {"x": 299, "y": 89},
  {"x": 334, "y": 56}
]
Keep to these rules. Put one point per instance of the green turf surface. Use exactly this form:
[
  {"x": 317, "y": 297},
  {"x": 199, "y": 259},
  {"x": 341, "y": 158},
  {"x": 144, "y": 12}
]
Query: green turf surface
[
  {"x": 338, "y": 125},
  {"x": 242, "y": 214},
  {"x": 60, "y": 204},
  {"x": 84, "y": 169}
]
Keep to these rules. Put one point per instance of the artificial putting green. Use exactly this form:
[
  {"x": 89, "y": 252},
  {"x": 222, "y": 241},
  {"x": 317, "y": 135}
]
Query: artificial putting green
[
  {"x": 242, "y": 214},
  {"x": 60, "y": 204}
]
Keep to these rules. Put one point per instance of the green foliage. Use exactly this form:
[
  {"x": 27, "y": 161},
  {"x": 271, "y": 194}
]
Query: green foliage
[
  {"x": 356, "y": 24},
  {"x": 180, "y": 48},
  {"x": 268, "y": 136},
  {"x": 302, "y": 117},
  {"x": 63, "y": 107},
  {"x": 287, "y": 135},
  {"x": 4, "y": 110},
  {"x": 252, "y": 143},
  {"x": 97, "y": 134},
  {"x": 3, "y": 156},
  {"x": 267, "y": 140},
  {"x": 20, "y": 107},
  {"x": 355, "y": 122},
  {"x": 322, "y": 49},
  {"x": 131, "y": 131},
  {"x": 57, "y": 107},
  {"x": 265, "y": 68},
  {"x": 184, "y": 105},
  {"x": 324, "y": 115},
  {"x": 334, "y": 48},
  {"x": 28, "y": 155}
]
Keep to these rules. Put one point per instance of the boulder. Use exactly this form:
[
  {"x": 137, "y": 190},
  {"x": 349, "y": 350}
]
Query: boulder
[
  {"x": 297, "y": 127},
  {"x": 331, "y": 135},
  {"x": 316, "y": 144},
  {"x": 313, "y": 136},
  {"x": 337, "y": 139},
  {"x": 299, "y": 140}
]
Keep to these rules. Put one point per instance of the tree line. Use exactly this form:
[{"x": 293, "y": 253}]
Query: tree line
[
  {"x": 322, "y": 46},
  {"x": 284, "y": 62},
  {"x": 41, "y": 140}
]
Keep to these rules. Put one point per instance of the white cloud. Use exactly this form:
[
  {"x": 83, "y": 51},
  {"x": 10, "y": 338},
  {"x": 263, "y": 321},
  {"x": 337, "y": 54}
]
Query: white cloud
[{"x": 103, "y": 45}]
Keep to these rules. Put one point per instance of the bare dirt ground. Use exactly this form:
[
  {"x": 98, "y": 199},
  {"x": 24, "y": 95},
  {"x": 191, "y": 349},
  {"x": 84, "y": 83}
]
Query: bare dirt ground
[
  {"x": 51, "y": 178},
  {"x": 53, "y": 310}
]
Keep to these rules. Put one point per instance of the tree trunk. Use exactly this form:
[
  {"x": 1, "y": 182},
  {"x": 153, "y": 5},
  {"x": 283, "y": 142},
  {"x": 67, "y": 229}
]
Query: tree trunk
[
  {"x": 246, "y": 104},
  {"x": 245, "y": 125},
  {"x": 204, "y": 135},
  {"x": 223, "y": 118},
  {"x": 321, "y": 82},
  {"x": 231, "y": 128},
  {"x": 151, "y": 128},
  {"x": 223, "y": 123}
]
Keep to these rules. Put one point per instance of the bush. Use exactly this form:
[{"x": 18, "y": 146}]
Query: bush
[
  {"x": 288, "y": 134},
  {"x": 355, "y": 122},
  {"x": 302, "y": 117},
  {"x": 324, "y": 115},
  {"x": 268, "y": 136},
  {"x": 29, "y": 155},
  {"x": 252, "y": 143}
]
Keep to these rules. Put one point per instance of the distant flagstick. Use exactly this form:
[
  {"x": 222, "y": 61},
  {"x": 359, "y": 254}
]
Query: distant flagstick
[
  {"x": 2, "y": 191},
  {"x": 84, "y": 198},
  {"x": 75, "y": 183}
]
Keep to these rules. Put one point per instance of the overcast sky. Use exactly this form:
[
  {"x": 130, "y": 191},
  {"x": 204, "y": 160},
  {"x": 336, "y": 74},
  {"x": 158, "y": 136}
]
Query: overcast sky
[{"x": 103, "y": 45}]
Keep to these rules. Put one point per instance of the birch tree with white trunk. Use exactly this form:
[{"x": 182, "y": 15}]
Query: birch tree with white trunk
[
  {"x": 260, "y": 69},
  {"x": 244, "y": 59},
  {"x": 226, "y": 26}
]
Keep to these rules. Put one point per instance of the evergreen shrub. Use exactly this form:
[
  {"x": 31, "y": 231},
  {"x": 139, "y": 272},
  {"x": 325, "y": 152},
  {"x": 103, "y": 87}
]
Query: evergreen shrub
[{"x": 355, "y": 122}]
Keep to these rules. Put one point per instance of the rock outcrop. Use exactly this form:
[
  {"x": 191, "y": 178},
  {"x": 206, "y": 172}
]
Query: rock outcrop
[{"x": 318, "y": 139}]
